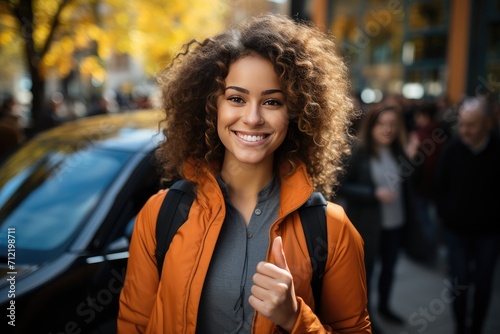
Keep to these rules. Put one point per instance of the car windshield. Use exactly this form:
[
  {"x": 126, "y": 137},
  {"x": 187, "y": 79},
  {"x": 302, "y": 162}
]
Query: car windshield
[{"x": 46, "y": 197}]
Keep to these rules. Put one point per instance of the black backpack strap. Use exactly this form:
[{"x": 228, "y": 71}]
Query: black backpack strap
[
  {"x": 173, "y": 213},
  {"x": 313, "y": 218}
]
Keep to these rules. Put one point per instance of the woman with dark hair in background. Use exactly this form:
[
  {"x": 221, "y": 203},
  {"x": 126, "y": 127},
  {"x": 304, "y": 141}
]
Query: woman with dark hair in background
[{"x": 377, "y": 196}]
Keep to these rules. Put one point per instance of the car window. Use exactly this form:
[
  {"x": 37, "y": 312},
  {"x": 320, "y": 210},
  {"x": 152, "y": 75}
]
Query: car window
[{"x": 48, "y": 202}]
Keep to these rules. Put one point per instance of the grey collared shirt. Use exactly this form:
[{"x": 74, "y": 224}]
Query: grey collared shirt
[{"x": 224, "y": 306}]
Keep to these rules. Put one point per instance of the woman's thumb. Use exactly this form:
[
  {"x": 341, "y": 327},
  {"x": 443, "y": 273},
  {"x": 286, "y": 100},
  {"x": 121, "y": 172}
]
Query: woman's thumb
[{"x": 279, "y": 254}]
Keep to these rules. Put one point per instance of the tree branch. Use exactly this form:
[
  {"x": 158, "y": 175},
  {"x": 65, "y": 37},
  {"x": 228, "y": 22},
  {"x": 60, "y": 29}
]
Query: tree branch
[{"x": 55, "y": 23}]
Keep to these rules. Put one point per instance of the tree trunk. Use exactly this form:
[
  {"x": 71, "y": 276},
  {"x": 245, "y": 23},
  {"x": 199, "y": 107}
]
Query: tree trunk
[
  {"x": 25, "y": 17},
  {"x": 38, "y": 112},
  {"x": 23, "y": 11}
]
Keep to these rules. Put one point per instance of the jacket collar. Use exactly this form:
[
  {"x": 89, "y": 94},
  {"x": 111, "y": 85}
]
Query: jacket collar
[{"x": 295, "y": 187}]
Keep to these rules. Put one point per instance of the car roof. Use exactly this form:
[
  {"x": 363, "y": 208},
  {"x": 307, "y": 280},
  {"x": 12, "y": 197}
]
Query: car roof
[{"x": 126, "y": 131}]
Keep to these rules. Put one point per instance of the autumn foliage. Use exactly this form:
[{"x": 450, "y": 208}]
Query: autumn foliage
[{"x": 61, "y": 36}]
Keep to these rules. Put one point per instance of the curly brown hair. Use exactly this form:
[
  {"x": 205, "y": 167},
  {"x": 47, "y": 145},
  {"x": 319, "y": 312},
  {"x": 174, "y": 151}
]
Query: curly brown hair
[{"x": 312, "y": 75}]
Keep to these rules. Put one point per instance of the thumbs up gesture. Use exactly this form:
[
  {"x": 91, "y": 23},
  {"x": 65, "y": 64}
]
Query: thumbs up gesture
[{"x": 273, "y": 293}]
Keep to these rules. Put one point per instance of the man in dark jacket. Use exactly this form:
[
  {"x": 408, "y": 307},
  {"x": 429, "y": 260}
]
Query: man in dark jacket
[{"x": 468, "y": 203}]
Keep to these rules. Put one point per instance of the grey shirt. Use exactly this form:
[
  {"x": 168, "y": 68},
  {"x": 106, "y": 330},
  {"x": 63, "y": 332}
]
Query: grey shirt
[{"x": 224, "y": 306}]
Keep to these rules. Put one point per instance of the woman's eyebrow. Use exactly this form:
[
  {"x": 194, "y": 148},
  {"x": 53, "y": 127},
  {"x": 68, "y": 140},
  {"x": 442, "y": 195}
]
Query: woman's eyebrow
[
  {"x": 246, "y": 91},
  {"x": 271, "y": 91},
  {"x": 239, "y": 89}
]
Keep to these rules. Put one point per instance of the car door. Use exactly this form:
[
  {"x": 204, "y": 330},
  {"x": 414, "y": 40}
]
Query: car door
[{"x": 106, "y": 266}]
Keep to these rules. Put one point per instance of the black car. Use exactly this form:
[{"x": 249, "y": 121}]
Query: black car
[{"x": 68, "y": 199}]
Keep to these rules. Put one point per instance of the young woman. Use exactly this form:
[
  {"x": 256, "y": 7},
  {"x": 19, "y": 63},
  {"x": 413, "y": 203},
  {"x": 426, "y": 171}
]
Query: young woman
[
  {"x": 377, "y": 194},
  {"x": 257, "y": 118}
]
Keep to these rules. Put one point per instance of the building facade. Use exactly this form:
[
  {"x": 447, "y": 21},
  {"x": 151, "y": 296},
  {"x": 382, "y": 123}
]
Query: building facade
[{"x": 420, "y": 48}]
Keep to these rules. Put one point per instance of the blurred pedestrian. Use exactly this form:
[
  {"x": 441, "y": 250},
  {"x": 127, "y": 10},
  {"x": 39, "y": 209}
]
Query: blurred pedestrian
[
  {"x": 98, "y": 106},
  {"x": 257, "y": 117},
  {"x": 446, "y": 113},
  {"x": 56, "y": 111},
  {"x": 430, "y": 137},
  {"x": 378, "y": 198},
  {"x": 468, "y": 198},
  {"x": 11, "y": 132}
]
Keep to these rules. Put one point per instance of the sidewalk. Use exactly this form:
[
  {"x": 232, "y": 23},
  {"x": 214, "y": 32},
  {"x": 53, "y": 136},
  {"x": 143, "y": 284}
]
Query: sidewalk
[{"x": 422, "y": 296}]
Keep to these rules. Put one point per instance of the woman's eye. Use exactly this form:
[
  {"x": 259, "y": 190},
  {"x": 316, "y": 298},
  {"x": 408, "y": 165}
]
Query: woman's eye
[
  {"x": 273, "y": 103},
  {"x": 235, "y": 99}
]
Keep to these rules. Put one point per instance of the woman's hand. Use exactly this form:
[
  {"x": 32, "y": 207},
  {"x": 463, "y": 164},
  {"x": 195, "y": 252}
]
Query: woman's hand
[
  {"x": 385, "y": 195},
  {"x": 412, "y": 146},
  {"x": 273, "y": 293}
]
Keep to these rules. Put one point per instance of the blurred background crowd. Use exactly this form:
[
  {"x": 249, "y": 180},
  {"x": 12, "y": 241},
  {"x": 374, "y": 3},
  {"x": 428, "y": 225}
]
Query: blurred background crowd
[{"x": 62, "y": 60}]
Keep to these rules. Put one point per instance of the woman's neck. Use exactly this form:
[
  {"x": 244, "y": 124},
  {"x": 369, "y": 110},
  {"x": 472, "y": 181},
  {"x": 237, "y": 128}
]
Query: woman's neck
[{"x": 245, "y": 181}]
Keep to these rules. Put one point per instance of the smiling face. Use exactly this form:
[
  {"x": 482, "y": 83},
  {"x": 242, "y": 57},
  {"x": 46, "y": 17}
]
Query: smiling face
[{"x": 252, "y": 117}]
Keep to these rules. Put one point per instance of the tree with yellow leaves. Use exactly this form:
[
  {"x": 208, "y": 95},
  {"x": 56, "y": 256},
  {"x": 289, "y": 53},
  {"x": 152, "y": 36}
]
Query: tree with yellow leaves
[{"x": 48, "y": 33}]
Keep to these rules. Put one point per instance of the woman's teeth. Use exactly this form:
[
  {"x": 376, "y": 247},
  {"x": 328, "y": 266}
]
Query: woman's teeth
[{"x": 251, "y": 138}]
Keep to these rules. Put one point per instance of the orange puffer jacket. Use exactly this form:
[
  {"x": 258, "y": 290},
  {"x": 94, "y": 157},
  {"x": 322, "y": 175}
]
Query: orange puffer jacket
[{"x": 171, "y": 305}]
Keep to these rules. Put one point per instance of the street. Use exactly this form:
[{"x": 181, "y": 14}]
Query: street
[{"x": 422, "y": 296}]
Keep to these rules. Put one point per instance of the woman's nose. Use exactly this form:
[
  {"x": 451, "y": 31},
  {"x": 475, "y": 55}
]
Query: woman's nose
[
  {"x": 252, "y": 114},
  {"x": 389, "y": 127}
]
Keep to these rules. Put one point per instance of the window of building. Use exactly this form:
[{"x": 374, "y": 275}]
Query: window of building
[
  {"x": 429, "y": 47},
  {"x": 424, "y": 15},
  {"x": 388, "y": 43},
  {"x": 494, "y": 40}
]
